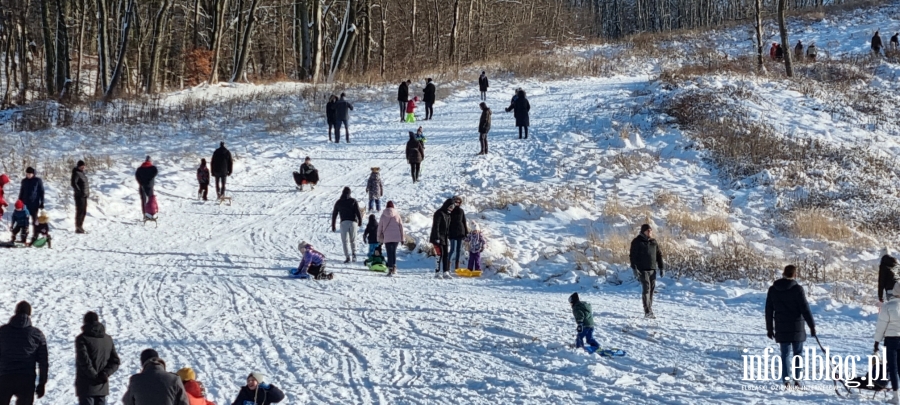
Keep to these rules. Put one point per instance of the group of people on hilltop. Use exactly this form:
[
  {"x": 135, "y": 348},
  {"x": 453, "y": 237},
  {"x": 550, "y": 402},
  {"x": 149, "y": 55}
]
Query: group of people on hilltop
[
  {"x": 408, "y": 104},
  {"x": 337, "y": 113},
  {"x": 776, "y": 52},
  {"x": 23, "y": 347},
  {"x": 28, "y": 210},
  {"x": 877, "y": 46}
]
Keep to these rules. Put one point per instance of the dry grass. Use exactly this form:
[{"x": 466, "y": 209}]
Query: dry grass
[
  {"x": 732, "y": 261},
  {"x": 813, "y": 223},
  {"x": 665, "y": 198},
  {"x": 692, "y": 223},
  {"x": 547, "y": 198}
]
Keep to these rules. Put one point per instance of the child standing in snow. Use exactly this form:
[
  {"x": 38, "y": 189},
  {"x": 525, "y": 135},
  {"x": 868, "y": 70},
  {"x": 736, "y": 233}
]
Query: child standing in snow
[
  {"x": 312, "y": 264},
  {"x": 374, "y": 188},
  {"x": 20, "y": 221},
  {"x": 203, "y": 179},
  {"x": 584, "y": 318},
  {"x": 42, "y": 229},
  {"x": 411, "y": 109},
  {"x": 371, "y": 234},
  {"x": 475, "y": 240},
  {"x": 420, "y": 136}
]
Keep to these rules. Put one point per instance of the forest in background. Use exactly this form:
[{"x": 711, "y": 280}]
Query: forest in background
[{"x": 100, "y": 49}]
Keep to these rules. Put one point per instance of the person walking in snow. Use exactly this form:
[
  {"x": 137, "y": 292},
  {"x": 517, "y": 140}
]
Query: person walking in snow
[
  {"x": 886, "y": 276},
  {"x": 221, "y": 167},
  {"x": 194, "y": 389},
  {"x": 772, "y": 50},
  {"x": 351, "y": 219},
  {"x": 95, "y": 361},
  {"x": 31, "y": 193},
  {"x": 415, "y": 154},
  {"x": 203, "y": 180},
  {"x": 370, "y": 234},
  {"x": 646, "y": 259},
  {"x": 779, "y": 53},
  {"x": 895, "y": 42},
  {"x": 520, "y": 108},
  {"x": 146, "y": 179},
  {"x": 342, "y": 109},
  {"x": 82, "y": 190},
  {"x": 20, "y": 222},
  {"x": 484, "y": 126},
  {"x": 390, "y": 232},
  {"x": 308, "y": 174},
  {"x": 811, "y": 52},
  {"x": 786, "y": 309},
  {"x": 584, "y": 321},
  {"x": 876, "y": 44},
  {"x": 798, "y": 52},
  {"x": 440, "y": 238},
  {"x": 22, "y": 346},
  {"x": 330, "y": 115},
  {"x": 403, "y": 98},
  {"x": 888, "y": 330},
  {"x": 4, "y": 180},
  {"x": 483, "y": 85},
  {"x": 459, "y": 229},
  {"x": 374, "y": 189},
  {"x": 429, "y": 98},
  {"x": 476, "y": 241},
  {"x": 154, "y": 385},
  {"x": 258, "y": 391},
  {"x": 311, "y": 264}
]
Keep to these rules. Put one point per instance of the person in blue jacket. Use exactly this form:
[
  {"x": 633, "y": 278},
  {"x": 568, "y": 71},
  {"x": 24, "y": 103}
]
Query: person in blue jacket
[
  {"x": 258, "y": 391},
  {"x": 32, "y": 193}
]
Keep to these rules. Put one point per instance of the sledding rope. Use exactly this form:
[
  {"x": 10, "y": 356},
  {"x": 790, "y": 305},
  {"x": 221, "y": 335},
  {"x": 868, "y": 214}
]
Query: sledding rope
[{"x": 834, "y": 380}]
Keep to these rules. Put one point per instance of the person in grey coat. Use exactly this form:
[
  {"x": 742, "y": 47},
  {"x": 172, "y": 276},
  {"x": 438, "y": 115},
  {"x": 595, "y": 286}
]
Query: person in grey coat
[
  {"x": 342, "y": 110},
  {"x": 646, "y": 259},
  {"x": 154, "y": 385},
  {"x": 95, "y": 361}
]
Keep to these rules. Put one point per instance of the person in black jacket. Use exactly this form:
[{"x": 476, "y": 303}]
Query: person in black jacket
[
  {"x": 342, "y": 110},
  {"x": 876, "y": 44},
  {"x": 330, "y": 115},
  {"x": 370, "y": 235},
  {"x": 146, "y": 179},
  {"x": 95, "y": 361},
  {"x": 886, "y": 276},
  {"x": 21, "y": 347},
  {"x": 31, "y": 193},
  {"x": 520, "y": 108},
  {"x": 351, "y": 219},
  {"x": 646, "y": 258},
  {"x": 786, "y": 309},
  {"x": 220, "y": 166},
  {"x": 308, "y": 174},
  {"x": 484, "y": 126},
  {"x": 429, "y": 98},
  {"x": 415, "y": 154},
  {"x": 439, "y": 238},
  {"x": 258, "y": 392},
  {"x": 459, "y": 229},
  {"x": 483, "y": 85},
  {"x": 895, "y": 42},
  {"x": 403, "y": 98},
  {"x": 82, "y": 191}
]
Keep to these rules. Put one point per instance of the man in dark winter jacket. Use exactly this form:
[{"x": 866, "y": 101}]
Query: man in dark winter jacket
[
  {"x": 520, "y": 108},
  {"x": 876, "y": 44},
  {"x": 429, "y": 98},
  {"x": 459, "y": 229},
  {"x": 342, "y": 110},
  {"x": 484, "y": 126},
  {"x": 483, "y": 85},
  {"x": 146, "y": 179},
  {"x": 886, "y": 276},
  {"x": 21, "y": 347},
  {"x": 220, "y": 166},
  {"x": 330, "y": 115},
  {"x": 351, "y": 218},
  {"x": 646, "y": 259},
  {"x": 415, "y": 154},
  {"x": 31, "y": 193},
  {"x": 786, "y": 309},
  {"x": 440, "y": 238},
  {"x": 95, "y": 361},
  {"x": 82, "y": 191},
  {"x": 258, "y": 391},
  {"x": 154, "y": 385},
  {"x": 403, "y": 98}
]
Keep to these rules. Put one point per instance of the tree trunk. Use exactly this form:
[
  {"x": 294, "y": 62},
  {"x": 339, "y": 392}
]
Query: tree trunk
[
  {"x": 384, "y": 28},
  {"x": 62, "y": 47},
  {"x": 412, "y": 32},
  {"x": 217, "y": 34},
  {"x": 320, "y": 40},
  {"x": 244, "y": 50},
  {"x": 123, "y": 47},
  {"x": 196, "y": 39},
  {"x": 102, "y": 45},
  {"x": 344, "y": 44},
  {"x": 155, "y": 48},
  {"x": 49, "y": 50},
  {"x": 785, "y": 41},
  {"x": 759, "y": 36},
  {"x": 454, "y": 30},
  {"x": 306, "y": 39},
  {"x": 80, "y": 47}
]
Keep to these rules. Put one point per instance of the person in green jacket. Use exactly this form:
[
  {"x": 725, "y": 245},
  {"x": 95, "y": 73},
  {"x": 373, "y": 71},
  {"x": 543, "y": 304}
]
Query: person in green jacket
[{"x": 584, "y": 317}]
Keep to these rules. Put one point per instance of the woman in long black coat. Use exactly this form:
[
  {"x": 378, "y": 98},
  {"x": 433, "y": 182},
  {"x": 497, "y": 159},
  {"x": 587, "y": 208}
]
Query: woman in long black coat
[
  {"x": 520, "y": 108},
  {"x": 330, "y": 114}
]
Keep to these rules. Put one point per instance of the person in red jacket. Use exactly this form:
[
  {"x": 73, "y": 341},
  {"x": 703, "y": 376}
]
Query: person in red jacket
[
  {"x": 196, "y": 393},
  {"x": 4, "y": 180},
  {"x": 772, "y": 50},
  {"x": 411, "y": 109}
]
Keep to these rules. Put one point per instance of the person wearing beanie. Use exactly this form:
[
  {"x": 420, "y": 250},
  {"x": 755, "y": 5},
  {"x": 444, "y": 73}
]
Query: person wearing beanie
[
  {"x": 154, "y": 385},
  {"x": 221, "y": 166},
  {"x": 476, "y": 241},
  {"x": 403, "y": 97},
  {"x": 42, "y": 231},
  {"x": 439, "y": 238},
  {"x": 415, "y": 154},
  {"x": 330, "y": 115},
  {"x": 82, "y": 190},
  {"x": 429, "y": 98},
  {"x": 390, "y": 232},
  {"x": 31, "y": 193},
  {"x": 584, "y": 321},
  {"x": 483, "y": 85},
  {"x": 646, "y": 259},
  {"x": 342, "y": 110},
  {"x": 459, "y": 229},
  {"x": 308, "y": 174},
  {"x": 348, "y": 209},
  {"x": 195, "y": 390},
  {"x": 370, "y": 235},
  {"x": 786, "y": 310},
  {"x": 95, "y": 361},
  {"x": 484, "y": 126},
  {"x": 888, "y": 330},
  {"x": 375, "y": 189},
  {"x": 886, "y": 276},
  {"x": 203, "y": 180},
  {"x": 146, "y": 179},
  {"x": 22, "y": 346},
  {"x": 258, "y": 391},
  {"x": 20, "y": 222}
]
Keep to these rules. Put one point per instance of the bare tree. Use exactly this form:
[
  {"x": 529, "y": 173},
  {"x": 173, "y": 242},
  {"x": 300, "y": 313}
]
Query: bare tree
[
  {"x": 785, "y": 42},
  {"x": 123, "y": 48}
]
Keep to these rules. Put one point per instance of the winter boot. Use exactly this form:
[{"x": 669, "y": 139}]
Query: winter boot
[
  {"x": 447, "y": 275},
  {"x": 347, "y": 260},
  {"x": 354, "y": 258},
  {"x": 437, "y": 274},
  {"x": 895, "y": 398},
  {"x": 456, "y": 264}
]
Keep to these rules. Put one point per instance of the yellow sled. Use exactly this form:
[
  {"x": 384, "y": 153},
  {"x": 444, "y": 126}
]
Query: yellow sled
[{"x": 468, "y": 273}]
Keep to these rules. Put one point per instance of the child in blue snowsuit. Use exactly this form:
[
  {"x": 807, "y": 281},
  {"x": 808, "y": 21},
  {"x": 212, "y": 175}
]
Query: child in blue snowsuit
[
  {"x": 584, "y": 317},
  {"x": 21, "y": 220}
]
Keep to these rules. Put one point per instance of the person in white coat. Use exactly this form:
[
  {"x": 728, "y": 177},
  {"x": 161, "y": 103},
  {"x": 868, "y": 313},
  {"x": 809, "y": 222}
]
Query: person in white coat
[{"x": 888, "y": 329}]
